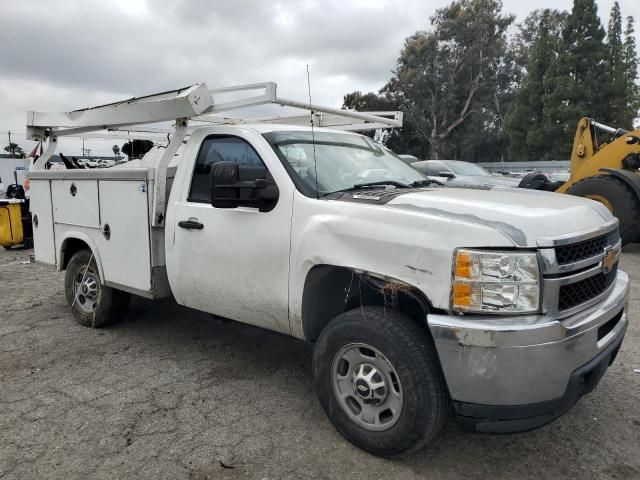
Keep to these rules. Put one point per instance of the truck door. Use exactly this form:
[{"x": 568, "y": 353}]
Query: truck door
[{"x": 232, "y": 262}]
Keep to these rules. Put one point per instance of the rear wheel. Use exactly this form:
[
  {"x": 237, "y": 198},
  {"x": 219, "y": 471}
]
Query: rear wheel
[
  {"x": 378, "y": 379},
  {"x": 92, "y": 303},
  {"x": 616, "y": 195}
]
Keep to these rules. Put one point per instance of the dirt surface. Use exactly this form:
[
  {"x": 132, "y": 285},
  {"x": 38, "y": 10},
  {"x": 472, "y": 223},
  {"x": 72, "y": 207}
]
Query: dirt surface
[{"x": 174, "y": 393}]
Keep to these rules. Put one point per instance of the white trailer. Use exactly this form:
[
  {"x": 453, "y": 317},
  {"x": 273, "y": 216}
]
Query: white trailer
[{"x": 505, "y": 306}]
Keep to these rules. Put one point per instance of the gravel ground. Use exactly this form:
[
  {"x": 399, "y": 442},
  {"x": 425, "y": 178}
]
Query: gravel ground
[{"x": 174, "y": 393}]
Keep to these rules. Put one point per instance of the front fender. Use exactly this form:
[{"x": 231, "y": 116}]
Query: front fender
[{"x": 411, "y": 247}]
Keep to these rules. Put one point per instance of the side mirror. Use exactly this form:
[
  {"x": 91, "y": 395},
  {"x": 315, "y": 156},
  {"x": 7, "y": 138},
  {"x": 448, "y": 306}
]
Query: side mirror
[
  {"x": 228, "y": 191},
  {"x": 267, "y": 193},
  {"x": 446, "y": 175}
]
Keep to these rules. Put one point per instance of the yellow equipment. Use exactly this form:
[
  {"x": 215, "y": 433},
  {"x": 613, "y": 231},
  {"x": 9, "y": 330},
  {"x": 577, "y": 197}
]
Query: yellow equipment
[
  {"x": 11, "y": 232},
  {"x": 608, "y": 173}
]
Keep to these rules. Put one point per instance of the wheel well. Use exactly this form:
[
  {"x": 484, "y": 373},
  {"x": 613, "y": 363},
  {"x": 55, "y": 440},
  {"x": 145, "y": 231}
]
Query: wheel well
[
  {"x": 69, "y": 248},
  {"x": 330, "y": 290}
]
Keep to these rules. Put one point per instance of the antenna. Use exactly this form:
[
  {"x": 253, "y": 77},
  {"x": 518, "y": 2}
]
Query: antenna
[{"x": 313, "y": 134}]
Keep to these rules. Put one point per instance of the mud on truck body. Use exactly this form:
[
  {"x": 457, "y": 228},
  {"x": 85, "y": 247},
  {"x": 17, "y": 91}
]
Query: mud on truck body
[{"x": 500, "y": 306}]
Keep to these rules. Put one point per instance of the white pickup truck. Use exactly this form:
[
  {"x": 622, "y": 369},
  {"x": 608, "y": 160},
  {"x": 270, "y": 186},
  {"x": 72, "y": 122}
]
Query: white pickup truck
[{"x": 500, "y": 306}]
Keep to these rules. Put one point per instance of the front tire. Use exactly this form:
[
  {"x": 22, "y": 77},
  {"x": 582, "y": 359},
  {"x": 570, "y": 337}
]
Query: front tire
[
  {"x": 92, "y": 303},
  {"x": 378, "y": 379},
  {"x": 616, "y": 195}
]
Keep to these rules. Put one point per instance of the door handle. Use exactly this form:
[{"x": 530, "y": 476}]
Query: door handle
[{"x": 190, "y": 225}]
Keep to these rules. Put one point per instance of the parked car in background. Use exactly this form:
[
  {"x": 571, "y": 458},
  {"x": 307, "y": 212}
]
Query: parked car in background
[
  {"x": 408, "y": 159},
  {"x": 456, "y": 172},
  {"x": 511, "y": 174}
]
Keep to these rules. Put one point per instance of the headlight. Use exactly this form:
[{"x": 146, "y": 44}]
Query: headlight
[{"x": 495, "y": 282}]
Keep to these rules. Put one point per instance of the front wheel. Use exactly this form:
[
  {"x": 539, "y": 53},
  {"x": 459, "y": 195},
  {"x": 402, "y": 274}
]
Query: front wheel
[
  {"x": 378, "y": 379},
  {"x": 92, "y": 303}
]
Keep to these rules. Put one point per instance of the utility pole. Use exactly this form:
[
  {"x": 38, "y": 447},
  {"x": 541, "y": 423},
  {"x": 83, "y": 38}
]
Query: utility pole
[
  {"x": 9, "y": 133},
  {"x": 83, "y": 147}
]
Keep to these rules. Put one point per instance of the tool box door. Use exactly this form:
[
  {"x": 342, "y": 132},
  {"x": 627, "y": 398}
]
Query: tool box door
[
  {"x": 41, "y": 212},
  {"x": 124, "y": 243},
  {"x": 75, "y": 202}
]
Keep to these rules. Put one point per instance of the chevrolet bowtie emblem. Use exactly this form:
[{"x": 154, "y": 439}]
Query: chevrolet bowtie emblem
[{"x": 609, "y": 260}]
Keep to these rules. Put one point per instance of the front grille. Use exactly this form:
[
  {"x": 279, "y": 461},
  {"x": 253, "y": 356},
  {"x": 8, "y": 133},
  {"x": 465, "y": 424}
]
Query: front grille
[
  {"x": 586, "y": 249},
  {"x": 580, "y": 292}
]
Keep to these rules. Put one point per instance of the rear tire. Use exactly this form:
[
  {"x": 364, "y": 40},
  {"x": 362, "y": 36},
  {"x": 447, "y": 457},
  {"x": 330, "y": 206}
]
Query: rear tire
[
  {"x": 92, "y": 303},
  {"x": 617, "y": 197},
  {"x": 398, "y": 361}
]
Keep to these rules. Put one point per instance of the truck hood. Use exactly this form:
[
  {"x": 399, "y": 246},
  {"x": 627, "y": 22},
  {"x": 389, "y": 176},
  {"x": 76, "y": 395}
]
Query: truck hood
[{"x": 524, "y": 216}]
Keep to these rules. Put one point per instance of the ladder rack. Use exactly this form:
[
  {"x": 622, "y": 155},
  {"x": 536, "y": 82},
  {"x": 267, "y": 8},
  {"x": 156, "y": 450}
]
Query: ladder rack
[
  {"x": 197, "y": 103},
  {"x": 194, "y": 103},
  {"x": 320, "y": 120}
]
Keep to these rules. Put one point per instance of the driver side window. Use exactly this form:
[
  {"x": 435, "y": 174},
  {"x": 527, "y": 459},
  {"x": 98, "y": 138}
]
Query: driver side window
[{"x": 223, "y": 148}]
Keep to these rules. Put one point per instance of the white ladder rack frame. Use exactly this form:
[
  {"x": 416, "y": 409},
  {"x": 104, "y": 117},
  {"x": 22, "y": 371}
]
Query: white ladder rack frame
[{"x": 195, "y": 103}]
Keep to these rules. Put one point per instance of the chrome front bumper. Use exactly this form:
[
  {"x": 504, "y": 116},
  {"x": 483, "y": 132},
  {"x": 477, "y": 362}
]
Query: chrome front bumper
[{"x": 524, "y": 360}]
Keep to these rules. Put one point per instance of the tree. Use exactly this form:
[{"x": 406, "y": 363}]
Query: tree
[
  {"x": 526, "y": 124},
  {"x": 14, "y": 149},
  {"x": 116, "y": 150},
  {"x": 451, "y": 73},
  {"x": 137, "y": 148},
  {"x": 630, "y": 59},
  {"x": 616, "y": 71},
  {"x": 574, "y": 82},
  {"x": 452, "y": 82},
  {"x": 529, "y": 31}
]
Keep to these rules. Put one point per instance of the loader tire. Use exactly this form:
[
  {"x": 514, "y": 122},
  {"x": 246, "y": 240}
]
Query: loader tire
[
  {"x": 92, "y": 303},
  {"x": 616, "y": 195}
]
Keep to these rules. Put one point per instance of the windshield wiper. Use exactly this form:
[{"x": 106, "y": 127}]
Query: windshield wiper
[
  {"x": 360, "y": 186},
  {"x": 381, "y": 182},
  {"x": 426, "y": 182}
]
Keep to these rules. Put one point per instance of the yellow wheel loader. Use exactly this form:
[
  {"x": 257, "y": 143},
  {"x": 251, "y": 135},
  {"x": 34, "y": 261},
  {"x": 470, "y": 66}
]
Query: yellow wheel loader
[{"x": 608, "y": 173}]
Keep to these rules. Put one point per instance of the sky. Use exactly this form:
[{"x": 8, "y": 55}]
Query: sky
[{"x": 65, "y": 55}]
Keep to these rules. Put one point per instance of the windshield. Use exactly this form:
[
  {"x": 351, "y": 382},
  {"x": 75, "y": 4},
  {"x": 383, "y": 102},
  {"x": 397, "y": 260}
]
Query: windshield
[
  {"x": 468, "y": 169},
  {"x": 342, "y": 161}
]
